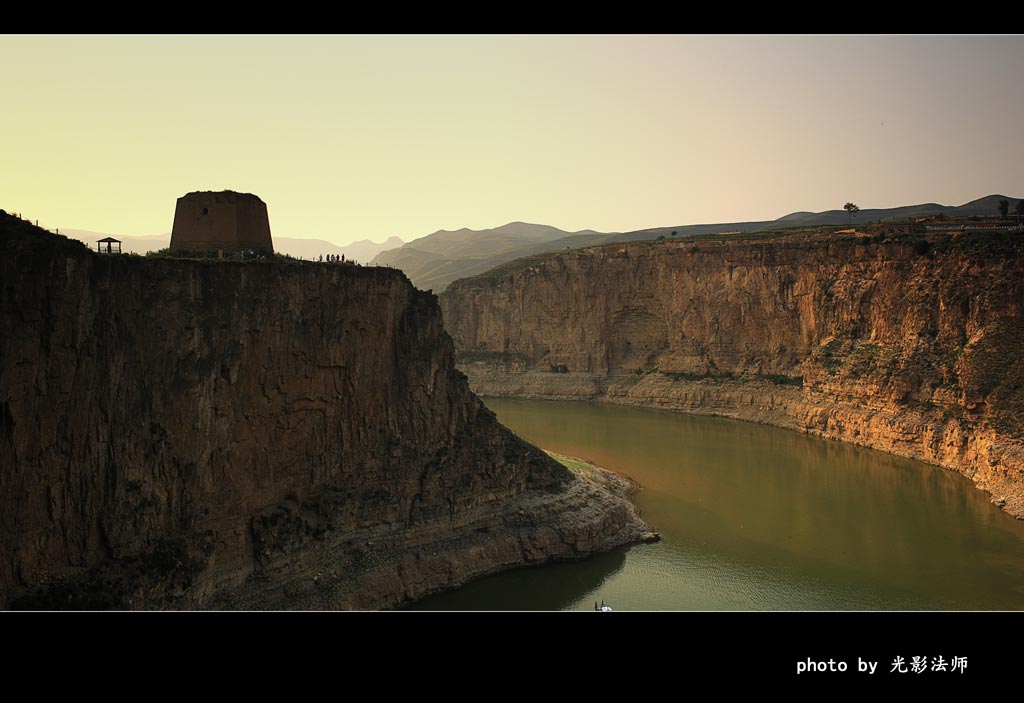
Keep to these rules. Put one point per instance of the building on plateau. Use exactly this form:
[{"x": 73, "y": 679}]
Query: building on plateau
[{"x": 223, "y": 221}]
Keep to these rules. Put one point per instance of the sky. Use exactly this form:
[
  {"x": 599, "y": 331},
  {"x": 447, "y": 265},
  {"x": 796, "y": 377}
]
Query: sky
[{"x": 366, "y": 137}]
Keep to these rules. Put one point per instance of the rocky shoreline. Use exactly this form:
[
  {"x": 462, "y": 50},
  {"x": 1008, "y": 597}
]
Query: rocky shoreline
[
  {"x": 993, "y": 463},
  {"x": 588, "y": 515},
  {"x": 910, "y": 344}
]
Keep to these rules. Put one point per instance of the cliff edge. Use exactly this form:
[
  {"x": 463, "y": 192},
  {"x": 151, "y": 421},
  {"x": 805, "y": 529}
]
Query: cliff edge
[
  {"x": 214, "y": 434},
  {"x": 906, "y": 343}
]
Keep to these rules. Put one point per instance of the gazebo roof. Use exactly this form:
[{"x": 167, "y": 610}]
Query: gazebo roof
[{"x": 109, "y": 239}]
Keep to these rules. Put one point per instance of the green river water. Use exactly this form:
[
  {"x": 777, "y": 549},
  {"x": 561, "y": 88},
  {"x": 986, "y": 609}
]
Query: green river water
[{"x": 754, "y": 517}]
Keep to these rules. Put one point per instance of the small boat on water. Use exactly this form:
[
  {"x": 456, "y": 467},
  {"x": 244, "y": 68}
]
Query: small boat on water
[{"x": 603, "y": 608}]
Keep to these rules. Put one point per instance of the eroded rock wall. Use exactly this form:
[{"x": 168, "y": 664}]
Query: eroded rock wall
[
  {"x": 911, "y": 345},
  {"x": 218, "y": 434}
]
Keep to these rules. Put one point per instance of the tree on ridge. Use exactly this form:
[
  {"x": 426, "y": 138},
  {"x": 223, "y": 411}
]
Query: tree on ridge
[{"x": 851, "y": 208}]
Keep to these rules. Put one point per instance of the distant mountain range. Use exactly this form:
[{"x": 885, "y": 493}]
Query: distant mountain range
[
  {"x": 362, "y": 251},
  {"x": 435, "y": 260},
  {"x": 134, "y": 244}
]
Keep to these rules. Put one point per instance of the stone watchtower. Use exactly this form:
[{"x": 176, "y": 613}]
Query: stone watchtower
[{"x": 232, "y": 222}]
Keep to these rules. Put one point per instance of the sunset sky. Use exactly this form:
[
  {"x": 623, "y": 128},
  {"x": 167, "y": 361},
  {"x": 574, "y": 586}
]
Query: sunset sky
[{"x": 355, "y": 137}]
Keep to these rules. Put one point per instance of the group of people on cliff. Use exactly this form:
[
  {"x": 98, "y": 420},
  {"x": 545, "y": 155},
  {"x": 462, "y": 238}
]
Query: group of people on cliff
[{"x": 335, "y": 259}]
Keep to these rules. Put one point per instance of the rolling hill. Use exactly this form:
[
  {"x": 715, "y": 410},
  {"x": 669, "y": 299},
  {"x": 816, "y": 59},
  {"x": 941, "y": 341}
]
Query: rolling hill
[{"x": 435, "y": 260}]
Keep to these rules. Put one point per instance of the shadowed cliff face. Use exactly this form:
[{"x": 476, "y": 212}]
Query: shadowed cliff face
[
  {"x": 193, "y": 434},
  {"x": 910, "y": 346}
]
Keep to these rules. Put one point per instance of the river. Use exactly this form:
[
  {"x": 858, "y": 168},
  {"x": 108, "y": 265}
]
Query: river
[{"x": 754, "y": 517}]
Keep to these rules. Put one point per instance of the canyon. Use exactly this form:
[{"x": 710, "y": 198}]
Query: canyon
[
  {"x": 906, "y": 343},
  {"x": 192, "y": 434}
]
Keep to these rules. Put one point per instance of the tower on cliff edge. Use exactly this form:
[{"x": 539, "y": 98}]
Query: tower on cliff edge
[{"x": 229, "y": 221}]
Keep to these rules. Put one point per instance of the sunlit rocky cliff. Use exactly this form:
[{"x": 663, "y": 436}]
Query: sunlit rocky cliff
[{"x": 911, "y": 344}]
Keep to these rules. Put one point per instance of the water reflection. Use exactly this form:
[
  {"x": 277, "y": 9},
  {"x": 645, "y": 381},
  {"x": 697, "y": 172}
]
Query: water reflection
[
  {"x": 755, "y": 517},
  {"x": 554, "y": 586}
]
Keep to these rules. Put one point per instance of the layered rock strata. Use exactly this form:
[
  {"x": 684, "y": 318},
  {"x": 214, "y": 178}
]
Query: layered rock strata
[
  {"x": 911, "y": 345},
  {"x": 196, "y": 434}
]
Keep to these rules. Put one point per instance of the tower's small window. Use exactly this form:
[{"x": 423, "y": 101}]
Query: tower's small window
[{"x": 206, "y": 211}]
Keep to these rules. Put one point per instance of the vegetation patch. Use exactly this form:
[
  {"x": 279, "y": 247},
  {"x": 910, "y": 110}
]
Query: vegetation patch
[
  {"x": 828, "y": 355},
  {"x": 577, "y": 466},
  {"x": 689, "y": 376},
  {"x": 782, "y": 380},
  {"x": 862, "y": 360},
  {"x": 255, "y": 257},
  {"x": 776, "y": 378},
  {"x": 996, "y": 244}
]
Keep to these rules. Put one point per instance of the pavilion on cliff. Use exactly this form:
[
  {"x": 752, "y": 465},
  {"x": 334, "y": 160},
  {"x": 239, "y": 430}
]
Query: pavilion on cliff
[{"x": 108, "y": 248}]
